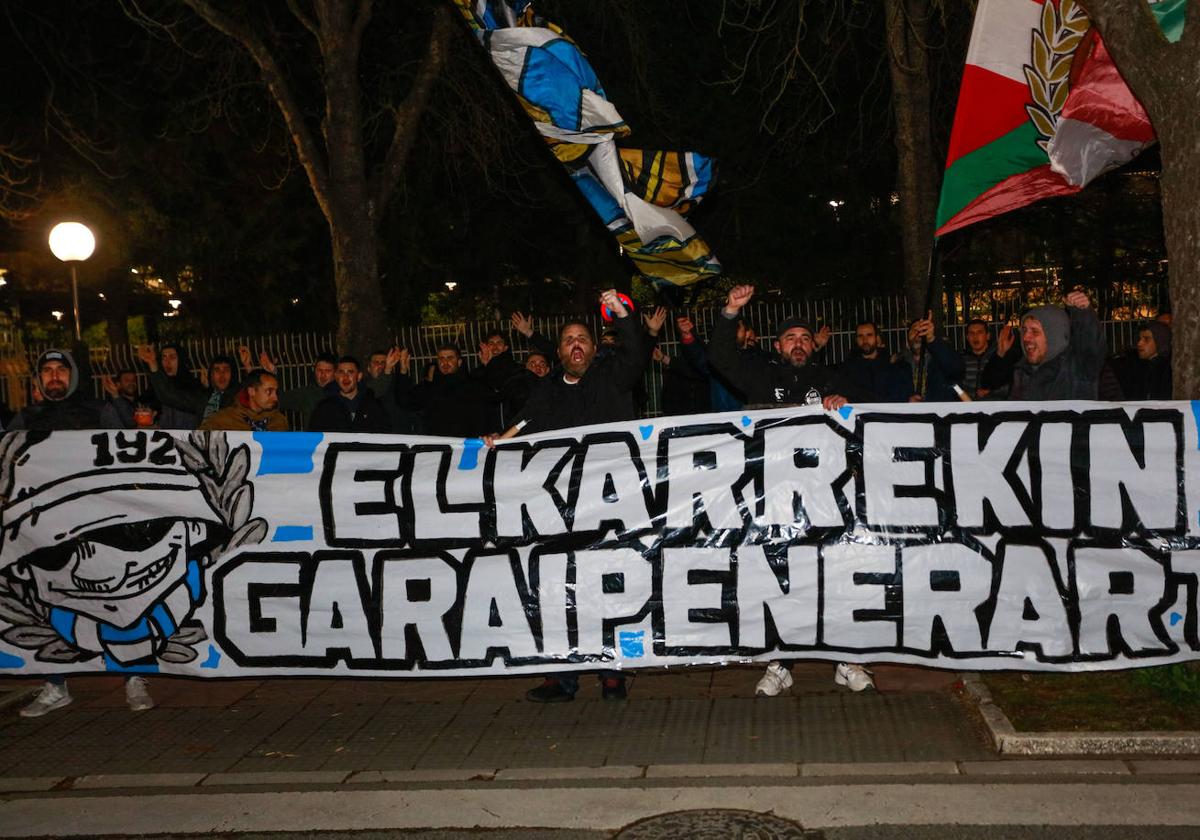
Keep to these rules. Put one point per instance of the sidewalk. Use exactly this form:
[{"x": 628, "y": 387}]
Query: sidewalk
[{"x": 696, "y": 717}]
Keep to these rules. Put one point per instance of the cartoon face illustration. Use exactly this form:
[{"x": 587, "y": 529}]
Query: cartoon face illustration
[
  {"x": 109, "y": 552},
  {"x": 113, "y": 574}
]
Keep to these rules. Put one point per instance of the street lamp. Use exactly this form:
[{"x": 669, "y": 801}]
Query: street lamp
[{"x": 73, "y": 243}]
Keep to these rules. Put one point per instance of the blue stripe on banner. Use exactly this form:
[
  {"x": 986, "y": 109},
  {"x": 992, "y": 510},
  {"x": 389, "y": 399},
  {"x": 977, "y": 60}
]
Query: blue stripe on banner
[
  {"x": 7, "y": 660},
  {"x": 163, "y": 619},
  {"x": 136, "y": 633},
  {"x": 470, "y": 455},
  {"x": 63, "y": 621},
  {"x": 287, "y": 452},
  {"x": 195, "y": 583},
  {"x": 293, "y": 533},
  {"x": 1196, "y": 415}
]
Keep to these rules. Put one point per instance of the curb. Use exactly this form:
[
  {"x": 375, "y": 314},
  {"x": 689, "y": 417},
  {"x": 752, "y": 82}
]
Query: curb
[
  {"x": 867, "y": 773},
  {"x": 1008, "y": 741}
]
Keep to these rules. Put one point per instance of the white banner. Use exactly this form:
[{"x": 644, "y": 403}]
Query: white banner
[{"x": 1047, "y": 536}]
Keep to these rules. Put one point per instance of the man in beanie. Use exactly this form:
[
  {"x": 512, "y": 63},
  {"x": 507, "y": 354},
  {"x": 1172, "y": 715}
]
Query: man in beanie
[
  {"x": 63, "y": 405},
  {"x": 789, "y": 379},
  {"x": 1062, "y": 352}
]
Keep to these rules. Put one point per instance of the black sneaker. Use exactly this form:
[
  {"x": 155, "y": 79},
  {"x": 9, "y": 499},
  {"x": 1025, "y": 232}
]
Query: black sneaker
[
  {"x": 550, "y": 691},
  {"x": 613, "y": 688}
]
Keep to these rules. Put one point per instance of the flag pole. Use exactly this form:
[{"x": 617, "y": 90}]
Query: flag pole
[{"x": 935, "y": 266}]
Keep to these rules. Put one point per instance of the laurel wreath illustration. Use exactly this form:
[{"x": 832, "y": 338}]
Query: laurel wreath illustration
[
  {"x": 1054, "y": 42},
  {"x": 223, "y": 475}
]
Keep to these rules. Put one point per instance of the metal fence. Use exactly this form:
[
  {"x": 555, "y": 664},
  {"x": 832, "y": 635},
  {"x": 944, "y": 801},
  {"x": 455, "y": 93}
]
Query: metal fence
[{"x": 295, "y": 353}]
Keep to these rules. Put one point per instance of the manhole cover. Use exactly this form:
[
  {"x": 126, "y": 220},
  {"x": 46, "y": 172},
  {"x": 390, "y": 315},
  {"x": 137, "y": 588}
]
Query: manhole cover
[{"x": 716, "y": 824}]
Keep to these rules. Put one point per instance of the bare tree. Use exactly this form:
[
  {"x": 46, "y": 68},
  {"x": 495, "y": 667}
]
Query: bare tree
[
  {"x": 1165, "y": 76},
  {"x": 351, "y": 190},
  {"x": 20, "y": 186}
]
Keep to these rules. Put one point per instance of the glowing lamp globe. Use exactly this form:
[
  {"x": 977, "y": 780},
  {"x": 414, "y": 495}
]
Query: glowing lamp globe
[{"x": 72, "y": 242}]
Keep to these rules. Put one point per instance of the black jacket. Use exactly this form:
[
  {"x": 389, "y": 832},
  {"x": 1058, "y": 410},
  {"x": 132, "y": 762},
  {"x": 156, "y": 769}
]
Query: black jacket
[
  {"x": 333, "y": 414},
  {"x": 457, "y": 405},
  {"x": 602, "y": 393},
  {"x": 943, "y": 370},
  {"x": 887, "y": 381},
  {"x": 775, "y": 381},
  {"x": 1143, "y": 379},
  {"x": 1071, "y": 375}
]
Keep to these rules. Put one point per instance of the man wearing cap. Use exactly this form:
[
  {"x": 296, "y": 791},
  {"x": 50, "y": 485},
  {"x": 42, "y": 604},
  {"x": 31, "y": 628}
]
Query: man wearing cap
[
  {"x": 1063, "y": 351},
  {"x": 99, "y": 569},
  {"x": 63, "y": 405},
  {"x": 790, "y": 379}
]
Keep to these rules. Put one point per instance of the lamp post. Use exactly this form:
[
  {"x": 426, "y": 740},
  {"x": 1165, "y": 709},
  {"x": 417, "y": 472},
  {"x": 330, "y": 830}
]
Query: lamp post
[{"x": 73, "y": 243}]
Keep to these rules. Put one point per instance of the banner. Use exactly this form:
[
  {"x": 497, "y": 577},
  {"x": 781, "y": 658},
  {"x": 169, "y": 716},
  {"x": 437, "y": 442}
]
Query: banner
[{"x": 1047, "y": 536}]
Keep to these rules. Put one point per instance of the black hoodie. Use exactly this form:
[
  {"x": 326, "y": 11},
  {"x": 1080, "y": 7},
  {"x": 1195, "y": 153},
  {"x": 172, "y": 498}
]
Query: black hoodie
[{"x": 71, "y": 411}]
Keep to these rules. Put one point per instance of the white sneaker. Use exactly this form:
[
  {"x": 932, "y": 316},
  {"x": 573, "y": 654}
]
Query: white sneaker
[
  {"x": 775, "y": 681},
  {"x": 52, "y": 696},
  {"x": 137, "y": 695},
  {"x": 854, "y": 677}
]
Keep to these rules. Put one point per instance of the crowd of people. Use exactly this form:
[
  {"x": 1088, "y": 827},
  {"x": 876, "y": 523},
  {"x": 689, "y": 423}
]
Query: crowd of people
[{"x": 578, "y": 378}]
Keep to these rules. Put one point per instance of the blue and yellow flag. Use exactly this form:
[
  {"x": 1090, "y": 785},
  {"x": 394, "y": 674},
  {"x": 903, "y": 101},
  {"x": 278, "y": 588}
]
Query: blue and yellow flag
[{"x": 641, "y": 195}]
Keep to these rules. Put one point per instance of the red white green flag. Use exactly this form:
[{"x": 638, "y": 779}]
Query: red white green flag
[{"x": 1042, "y": 109}]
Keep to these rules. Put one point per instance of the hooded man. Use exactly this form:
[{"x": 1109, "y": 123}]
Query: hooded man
[
  {"x": 63, "y": 406},
  {"x": 201, "y": 402},
  {"x": 1062, "y": 352}
]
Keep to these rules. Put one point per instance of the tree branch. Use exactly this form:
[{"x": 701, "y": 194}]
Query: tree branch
[
  {"x": 408, "y": 114},
  {"x": 307, "y": 149},
  {"x": 302, "y": 16},
  {"x": 1136, "y": 42},
  {"x": 361, "y": 18}
]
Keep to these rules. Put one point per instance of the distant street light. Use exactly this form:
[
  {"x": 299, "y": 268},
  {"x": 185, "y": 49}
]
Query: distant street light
[
  {"x": 72, "y": 243},
  {"x": 57, "y": 313},
  {"x": 175, "y": 303},
  {"x": 451, "y": 285}
]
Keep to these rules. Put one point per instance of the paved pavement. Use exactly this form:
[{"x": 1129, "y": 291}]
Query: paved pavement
[{"x": 331, "y": 729}]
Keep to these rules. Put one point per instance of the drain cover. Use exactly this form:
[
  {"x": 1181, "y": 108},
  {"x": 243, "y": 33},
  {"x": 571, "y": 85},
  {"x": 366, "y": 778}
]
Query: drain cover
[{"x": 716, "y": 824}]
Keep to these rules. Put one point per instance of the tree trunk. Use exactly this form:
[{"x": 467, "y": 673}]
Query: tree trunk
[
  {"x": 916, "y": 171},
  {"x": 362, "y": 322},
  {"x": 1165, "y": 77},
  {"x": 1180, "y": 139}
]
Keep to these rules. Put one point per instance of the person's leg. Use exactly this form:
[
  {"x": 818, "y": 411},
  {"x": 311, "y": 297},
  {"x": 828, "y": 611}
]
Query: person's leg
[
  {"x": 854, "y": 677},
  {"x": 612, "y": 685},
  {"x": 54, "y": 695},
  {"x": 557, "y": 688},
  {"x": 775, "y": 680},
  {"x": 137, "y": 694}
]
